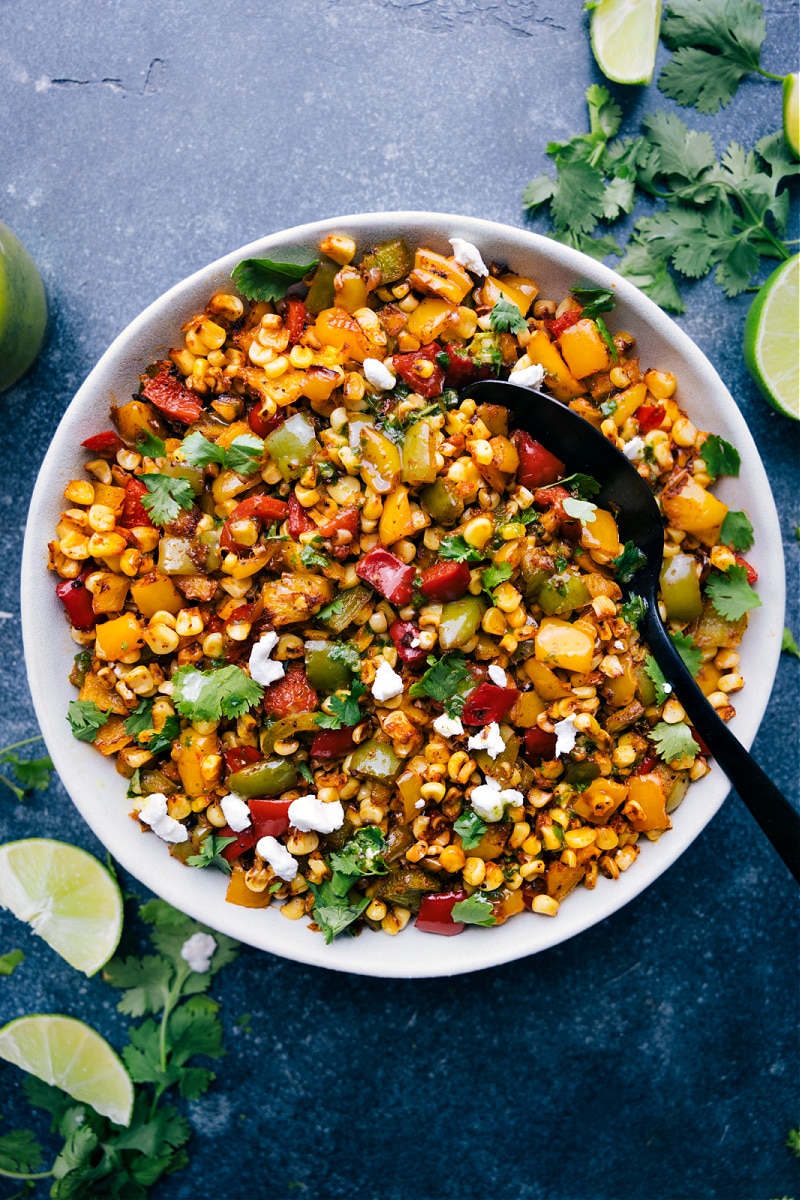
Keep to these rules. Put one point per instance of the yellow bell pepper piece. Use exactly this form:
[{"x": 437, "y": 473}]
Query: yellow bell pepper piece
[
  {"x": 647, "y": 803},
  {"x": 156, "y": 593},
  {"x": 560, "y": 380},
  {"x": 439, "y": 276},
  {"x": 695, "y": 510},
  {"x": 584, "y": 350},
  {"x": 560, "y": 644},
  {"x": 380, "y": 458},
  {"x": 628, "y": 401},
  {"x": 119, "y": 637},
  {"x": 395, "y": 521},
  {"x": 545, "y": 681},
  {"x": 193, "y": 748},
  {"x": 517, "y": 288},
  {"x": 430, "y": 318},
  {"x": 601, "y": 537}
]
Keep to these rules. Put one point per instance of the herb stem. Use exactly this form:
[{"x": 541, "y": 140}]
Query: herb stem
[
  {"x": 769, "y": 75},
  {"x": 23, "y": 1175},
  {"x": 24, "y": 742}
]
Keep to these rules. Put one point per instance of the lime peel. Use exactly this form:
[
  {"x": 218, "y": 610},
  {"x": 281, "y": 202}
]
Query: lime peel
[
  {"x": 624, "y": 36},
  {"x": 771, "y": 344},
  {"x": 791, "y": 112}
]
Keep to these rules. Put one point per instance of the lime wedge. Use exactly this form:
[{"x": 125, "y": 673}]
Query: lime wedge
[
  {"x": 23, "y": 309},
  {"x": 772, "y": 339},
  {"x": 66, "y": 896},
  {"x": 70, "y": 1055},
  {"x": 625, "y": 37},
  {"x": 791, "y": 112}
]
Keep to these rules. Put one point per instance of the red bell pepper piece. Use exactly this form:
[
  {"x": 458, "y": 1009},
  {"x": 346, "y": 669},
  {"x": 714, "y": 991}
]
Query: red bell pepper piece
[
  {"x": 537, "y": 466},
  {"x": 263, "y": 508},
  {"x": 295, "y": 320},
  {"x": 403, "y": 633},
  {"x": 488, "y": 703},
  {"x": 106, "y": 443},
  {"x": 270, "y": 817},
  {"x": 77, "y": 600},
  {"x": 752, "y": 573},
  {"x": 347, "y": 520},
  {"x": 170, "y": 396},
  {"x": 244, "y": 841},
  {"x": 240, "y": 756},
  {"x": 332, "y": 743},
  {"x": 387, "y": 574},
  {"x": 554, "y": 497},
  {"x": 436, "y": 913},
  {"x": 299, "y": 520},
  {"x": 407, "y": 367},
  {"x": 445, "y": 581},
  {"x": 133, "y": 511},
  {"x": 262, "y": 425},
  {"x": 650, "y": 416},
  {"x": 539, "y": 745},
  {"x": 292, "y": 694},
  {"x": 646, "y": 765},
  {"x": 557, "y": 325},
  {"x": 463, "y": 369}
]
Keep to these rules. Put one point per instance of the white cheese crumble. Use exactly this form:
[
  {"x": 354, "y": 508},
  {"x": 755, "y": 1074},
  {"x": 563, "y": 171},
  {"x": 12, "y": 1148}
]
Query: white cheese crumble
[
  {"x": 634, "y": 449},
  {"x": 566, "y": 735},
  {"x": 469, "y": 256},
  {"x": 448, "y": 726},
  {"x": 498, "y": 675},
  {"x": 154, "y": 813},
  {"x": 488, "y": 739},
  {"x": 198, "y": 950},
  {"x": 530, "y": 376},
  {"x": 275, "y": 853},
  {"x": 489, "y": 800},
  {"x": 235, "y": 811},
  {"x": 309, "y": 812},
  {"x": 419, "y": 804},
  {"x": 262, "y": 668},
  {"x": 387, "y": 683},
  {"x": 378, "y": 374}
]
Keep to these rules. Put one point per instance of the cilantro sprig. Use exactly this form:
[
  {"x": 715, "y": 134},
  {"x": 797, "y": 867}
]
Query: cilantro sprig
[
  {"x": 737, "y": 531},
  {"x": 166, "y": 496},
  {"x": 582, "y": 487},
  {"x": 454, "y": 548},
  {"x": 690, "y": 653},
  {"x": 362, "y": 855},
  {"x": 628, "y": 562},
  {"x": 442, "y": 681},
  {"x": 211, "y": 695},
  {"x": 344, "y": 708},
  {"x": 720, "y": 457},
  {"x": 663, "y": 689},
  {"x": 506, "y": 317},
  {"x": 731, "y": 594},
  {"x": 674, "y": 741},
  {"x": 470, "y": 828},
  {"x": 85, "y": 718},
  {"x": 475, "y": 910},
  {"x": 243, "y": 455},
  {"x": 494, "y": 575},
  {"x": 593, "y": 299},
  {"x": 32, "y": 774},
  {"x": 263, "y": 279}
]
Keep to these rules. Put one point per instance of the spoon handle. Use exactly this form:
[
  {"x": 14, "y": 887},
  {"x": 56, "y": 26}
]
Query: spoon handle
[{"x": 777, "y": 817}]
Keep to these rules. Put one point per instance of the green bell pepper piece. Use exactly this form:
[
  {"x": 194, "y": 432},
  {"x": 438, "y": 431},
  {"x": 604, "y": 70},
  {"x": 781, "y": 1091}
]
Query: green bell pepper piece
[
  {"x": 375, "y": 760},
  {"x": 419, "y": 456},
  {"x": 175, "y": 556},
  {"x": 460, "y": 621},
  {"x": 348, "y": 604},
  {"x": 193, "y": 475},
  {"x": 268, "y": 778},
  {"x": 391, "y": 260},
  {"x": 323, "y": 670},
  {"x": 321, "y": 293},
  {"x": 509, "y": 755},
  {"x": 680, "y": 588},
  {"x": 562, "y": 594},
  {"x": 442, "y": 501},
  {"x": 293, "y": 445}
]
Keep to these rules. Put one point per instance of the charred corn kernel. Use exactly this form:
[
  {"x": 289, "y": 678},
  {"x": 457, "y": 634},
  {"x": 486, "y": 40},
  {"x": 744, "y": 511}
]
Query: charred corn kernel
[
  {"x": 339, "y": 247},
  {"x": 328, "y": 794},
  {"x": 211, "y": 769},
  {"x": 460, "y": 766},
  {"x": 507, "y": 598},
  {"x": 493, "y": 622},
  {"x": 493, "y": 877},
  {"x": 660, "y": 384},
  {"x": 161, "y": 639},
  {"x": 568, "y": 858},
  {"x": 517, "y": 619},
  {"x": 79, "y": 491},
  {"x": 286, "y": 747},
  {"x": 478, "y": 531},
  {"x": 301, "y": 357},
  {"x": 376, "y": 910},
  {"x": 577, "y": 839},
  {"x": 722, "y": 558},
  {"x": 395, "y": 921},
  {"x": 293, "y": 909},
  {"x": 452, "y": 859},
  {"x": 528, "y": 870},
  {"x": 519, "y": 834},
  {"x": 105, "y": 545},
  {"x": 474, "y": 871},
  {"x": 140, "y": 681},
  {"x": 481, "y": 450},
  {"x": 512, "y": 531},
  {"x": 626, "y": 856},
  {"x": 214, "y": 645},
  {"x": 100, "y": 469},
  {"x": 299, "y": 843},
  {"x": 371, "y": 814},
  {"x": 74, "y": 545},
  {"x": 726, "y": 660},
  {"x": 216, "y": 816},
  {"x": 145, "y": 537},
  {"x": 378, "y": 622},
  {"x": 276, "y": 367},
  {"x": 731, "y": 682},
  {"x": 373, "y": 507},
  {"x": 433, "y": 791},
  {"x": 189, "y": 622},
  {"x": 239, "y": 631},
  {"x": 427, "y": 639},
  {"x": 508, "y": 644},
  {"x": 227, "y": 307},
  {"x": 416, "y": 852},
  {"x": 129, "y": 460},
  {"x": 430, "y": 616},
  {"x": 684, "y": 433},
  {"x": 673, "y": 712},
  {"x": 130, "y": 560},
  {"x": 623, "y": 756},
  {"x": 606, "y": 838},
  {"x": 260, "y": 355},
  {"x": 546, "y": 906},
  {"x": 179, "y": 807}
]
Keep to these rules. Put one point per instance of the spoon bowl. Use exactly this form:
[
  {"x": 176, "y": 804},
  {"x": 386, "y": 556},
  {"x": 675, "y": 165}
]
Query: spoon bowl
[{"x": 584, "y": 448}]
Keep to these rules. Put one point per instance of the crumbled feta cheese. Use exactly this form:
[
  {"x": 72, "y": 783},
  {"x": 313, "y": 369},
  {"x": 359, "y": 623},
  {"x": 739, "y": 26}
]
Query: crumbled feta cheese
[
  {"x": 498, "y": 675},
  {"x": 309, "y": 812},
  {"x": 566, "y": 735},
  {"x": 414, "y": 643},
  {"x": 198, "y": 950},
  {"x": 448, "y": 726},
  {"x": 419, "y": 804},
  {"x": 378, "y": 374},
  {"x": 235, "y": 811},
  {"x": 489, "y": 800},
  {"x": 530, "y": 376},
  {"x": 634, "y": 449},
  {"x": 488, "y": 739},
  {"x": 469, "y": 256},
  {"x": 262, "y": 669},
  {"x": 387, "y": 683},
  {"x": 275, "y": 853},
  {"x": 154, "y": 813}
]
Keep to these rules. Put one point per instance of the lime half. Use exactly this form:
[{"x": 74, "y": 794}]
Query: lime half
[
  {"x": 791, "y": 112},
  {"x": 772, "y": 339},
  {"x": 70, "y": 1055},
  {"x": 66, "y": 896},
  {"x": 625, "y": 38},
  {"x": 23, "y": 309}
]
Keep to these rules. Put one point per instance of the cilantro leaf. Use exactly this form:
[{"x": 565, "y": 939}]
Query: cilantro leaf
[
  {"x": 85, "y": 718},
  {"x": 720, "y": 457},
  {"x": 9, "y": 963},
  {"x": 470, "y": 829},
  {"x": 344, "y": 709},
  {"x": 715, "y": 45},
  {"x": 32, "y": 773},
  {"x": 628, "y": 562},
  {"x": 506, "y": 317},
  {"x": 731, "y": 594},
  {"x": 674, "y": 741},
  {"x": 332, "y": 911},
  {"x": 211, "y": 848},
  {"x": 331, "y": 610},
  {"x": 788, "y": 643},
  {"x": 582, "y": 486},
  {"x": 737, "y": 531},
  {"x": 362, "y": 855},
  {"x": 593, "y": 299},
  {"x": 263, "y": 279},
  {"x": 154, "y": 447},
  {"x": 454, "y": 548},
  {"x": 793, "y": 1142},
  {"x": 691, "y": 654},
  {"x": 607, "y": 338},
  {"x": 475, "y": 910},
  {"x": 663, "y": 689},
  {"x": 633, "y": 610},
  {"x": 347, "y": 653},
  {"x": 242, "y": 455},
  {"x": 442, "y": 681},
  {"x": 166, "y": 496},
  {"x": 310, "y": 557},
  {"x": 211, "y": 695},
  {"x": 20, "y": 1153},
  {"x": 582, "y": 510},
  {"x": 495, "y": 575}
]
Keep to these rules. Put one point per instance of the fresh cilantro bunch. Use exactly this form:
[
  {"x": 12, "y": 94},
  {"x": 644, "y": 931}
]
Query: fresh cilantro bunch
[
  {"x": 97, "y": 1157},
  {"x": 32, "y": 774}
]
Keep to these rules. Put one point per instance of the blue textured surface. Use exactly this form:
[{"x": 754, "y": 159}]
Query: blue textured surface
[{"x": 656, "y": 1055}]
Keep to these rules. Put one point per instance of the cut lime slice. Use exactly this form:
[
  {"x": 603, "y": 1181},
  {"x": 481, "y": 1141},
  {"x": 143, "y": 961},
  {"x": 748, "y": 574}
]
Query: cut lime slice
[
  {"x": 625, "y": 37},
  {"x": 772, "y": 339},
  {"x": 66, "y": 896},
  {"x": 70, "y": 1055},
  {"x": 791, "y": 112}
]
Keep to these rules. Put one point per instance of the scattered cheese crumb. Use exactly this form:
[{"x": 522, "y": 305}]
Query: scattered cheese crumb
[
  {"x": 275, "y": 853},
  {"x": 489, "y": 800},
  {"x": 419, "y": 804},
  {"x": 488, "y": 739},
  {"x": 387, "y": 683},
  {"x": 530, "y": 376},
  {"x": 634, "y": 449},
  {"x": 309, "y": 812},
  {"x": 448, "y": 726},
  {"x": 566, "y": 735},
  {"x": 498, "y": 675},
  {"x": 154, "y": 813},
  {"x": 262, "y": 668},
  {"x": 469, "y": 256},
  {"x": 378, "y": 374},
  {"x": 236, "y": 812},
  {"x": 198, "y": 950}
]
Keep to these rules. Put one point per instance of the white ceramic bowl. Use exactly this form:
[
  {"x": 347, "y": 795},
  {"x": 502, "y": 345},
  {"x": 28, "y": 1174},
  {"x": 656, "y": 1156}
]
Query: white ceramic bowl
[{"x": 99, "y": 792}]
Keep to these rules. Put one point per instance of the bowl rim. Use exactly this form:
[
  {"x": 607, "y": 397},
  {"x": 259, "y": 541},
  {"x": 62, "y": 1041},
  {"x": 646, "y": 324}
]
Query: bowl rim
[{"x": 201, "y": 894}]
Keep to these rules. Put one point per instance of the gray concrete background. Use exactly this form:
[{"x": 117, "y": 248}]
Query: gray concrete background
[{"x": 656, "y": 1055}]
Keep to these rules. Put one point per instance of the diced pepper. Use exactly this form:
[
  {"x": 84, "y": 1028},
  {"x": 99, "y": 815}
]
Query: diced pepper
[
  {"x": 584, "y": 349},
  {"x": 133, "y": 511},
  {"x": 445, "y": 581},
  {"x": 395, "y": 521},
  {"x": 463, "y": 369},
  {"x": 323, "y": 669},
  {"x": 295, "y": 319},
  {"x": 387, "y": 262},
  {"x": 557, "y": 325},
  {"x": 601, "y": 537},
  {"x": 170, "y": 396},
  {"x": 77, "y": 601},
  {"x": 375, "y": 760},
  {"x": 560, "y": 380},
  {"x": 270, "y": 817},
  {"x": 488, "y": 703},
  {"x": 414, "y": 369},
  {"x": 135, "y": 419},
  {"x": 443, "y": 501},
  {"x": 119, "y": 637},
  {"x": 239, "y": 893},
  {"x": 650, "y": 416},
  {"x": 560, "y": 644},
  {"x": 404, "y": 634},
  {"x": 537, "y": 466},
  {"x": 646, "y": 805},
  {"x": 439, "y": 276},
  {"x": 419, "y": 454},
  {"x": 332, "y": 743},
  {"x": 321, "y": 292},
  {"x": 751, "y": 572},
  {"x": 460, "y": 621},
  {"x": 293, "y": 445},
  {"x": 109, "y": 592},
  {"x": 154, "y": 593},
  {"x": 286, "y": 729},
  {"x": 680, "y": 588},
  {"x": 292, "y": 694},
  {"x": 263, "y": 508},
  {"x": 436, "y": 913},
  {"x": 349, "y": 604},
  {"x": 105, "y": 444},
  {"x": 243, "y": 841},
  {"x": 263, "y": 425},
  {"x": 237, "y": 757},
  {"x": 409, "y": 785},
  {"x": 268, "y": 778},
  {"x": 299, "y": 520},
  {"x": 539, "y": 745},
  {"x": 694, "y": 509},
  {"x": 562, "y": 594},
  {"x": 387, "y": 574},
  {"x": 175, "y": 556},
  {"x": 336, "y": 327}
]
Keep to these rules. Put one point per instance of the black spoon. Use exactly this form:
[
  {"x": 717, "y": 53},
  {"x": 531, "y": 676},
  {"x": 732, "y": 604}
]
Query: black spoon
[{"x": 583, "y": 448}]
